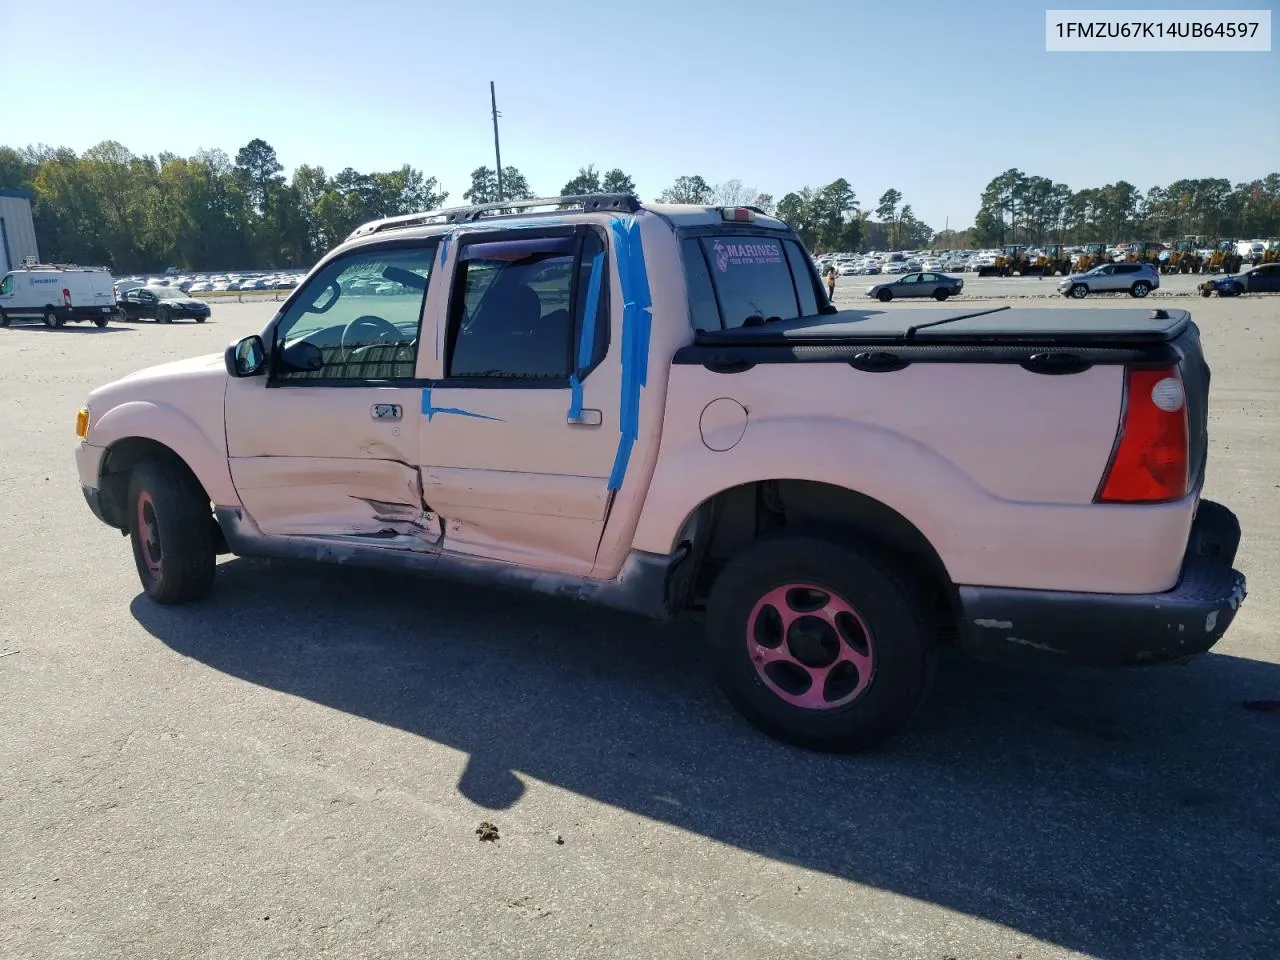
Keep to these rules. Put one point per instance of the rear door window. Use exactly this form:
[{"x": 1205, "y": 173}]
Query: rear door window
[
  {"x": 732, "y": 279},
  {"x": 521, "y": 305}
]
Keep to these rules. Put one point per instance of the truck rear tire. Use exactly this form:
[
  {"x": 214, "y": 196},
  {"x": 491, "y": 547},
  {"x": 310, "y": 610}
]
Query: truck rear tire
[
  {"x": 4, "y": 319},
  {"x": 100, "y": 322},
  {"x": 171, "y": 533},
  {"x": 820, "y": 644},
  {"x": 52, "y": 320}
]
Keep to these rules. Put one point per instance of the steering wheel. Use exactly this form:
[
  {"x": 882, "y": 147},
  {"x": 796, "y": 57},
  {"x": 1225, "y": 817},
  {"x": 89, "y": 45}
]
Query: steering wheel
[{"x": 383, "y": 330}]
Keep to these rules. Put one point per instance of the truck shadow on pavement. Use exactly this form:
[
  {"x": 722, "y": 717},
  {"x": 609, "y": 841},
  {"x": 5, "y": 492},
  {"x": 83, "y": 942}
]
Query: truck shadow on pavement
[{"x": 1124, "y": 814}]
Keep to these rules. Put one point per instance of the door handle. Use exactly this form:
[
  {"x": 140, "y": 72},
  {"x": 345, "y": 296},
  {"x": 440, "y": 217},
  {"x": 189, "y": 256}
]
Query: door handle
[
  {"x": 385, "y": 411},
  {"x": 585, "y": 418}
]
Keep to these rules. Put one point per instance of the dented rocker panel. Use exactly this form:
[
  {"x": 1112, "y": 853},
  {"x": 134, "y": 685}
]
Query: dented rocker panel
[{"x": 641, "y": 587}]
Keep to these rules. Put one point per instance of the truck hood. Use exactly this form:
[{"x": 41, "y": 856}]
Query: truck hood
[{"x": 193, "y": 382}]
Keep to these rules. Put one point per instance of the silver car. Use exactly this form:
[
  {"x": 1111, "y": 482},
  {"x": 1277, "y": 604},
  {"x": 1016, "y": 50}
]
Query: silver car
[
  {"x": 1135, "y": 279},
  {"x": 936, "y": 285}
]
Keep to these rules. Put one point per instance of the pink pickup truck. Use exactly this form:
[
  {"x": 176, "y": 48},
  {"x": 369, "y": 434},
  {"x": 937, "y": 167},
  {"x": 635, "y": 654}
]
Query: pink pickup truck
[{"x": 656, "y": 408}]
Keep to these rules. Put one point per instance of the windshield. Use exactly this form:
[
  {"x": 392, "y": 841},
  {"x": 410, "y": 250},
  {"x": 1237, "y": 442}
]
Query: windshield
[{"x": 735, "y": 279}]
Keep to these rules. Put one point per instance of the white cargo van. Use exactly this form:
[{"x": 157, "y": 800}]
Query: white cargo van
[
  {"x": 56, "y": 293},
  {"x": 1250, "y": 251}
]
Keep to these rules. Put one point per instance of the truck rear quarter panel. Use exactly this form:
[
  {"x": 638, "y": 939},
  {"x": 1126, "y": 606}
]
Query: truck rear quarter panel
[{"x": 996, "y": 466}]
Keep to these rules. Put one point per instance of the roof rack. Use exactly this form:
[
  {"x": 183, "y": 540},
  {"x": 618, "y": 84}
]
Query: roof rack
[
  {"x": 588, "y": 203},
  {"x": 31, "y": 263}
]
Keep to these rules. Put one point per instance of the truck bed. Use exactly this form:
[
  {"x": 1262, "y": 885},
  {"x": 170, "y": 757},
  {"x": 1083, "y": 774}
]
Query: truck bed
[{"x": 1047, "y": 341}]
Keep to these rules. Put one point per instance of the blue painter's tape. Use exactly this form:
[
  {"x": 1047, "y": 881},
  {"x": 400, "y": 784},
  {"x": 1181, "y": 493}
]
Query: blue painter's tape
[
  {"x": 587, "y": 345},
  {"x": 430, "y": 411},
  {"x": 444, "y": 253},
  {"x": 575, "y": 396},
  {"x": 637, "y": 305}
]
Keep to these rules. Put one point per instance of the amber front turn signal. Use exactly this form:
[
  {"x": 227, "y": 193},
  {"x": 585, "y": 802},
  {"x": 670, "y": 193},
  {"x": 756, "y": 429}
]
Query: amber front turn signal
[{"x": 82, "y": 423}]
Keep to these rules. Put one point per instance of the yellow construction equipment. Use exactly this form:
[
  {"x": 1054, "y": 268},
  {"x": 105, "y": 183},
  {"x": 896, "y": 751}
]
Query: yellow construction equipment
[
  {"x": 1094, "y": 254},
  {"x": 1224, "y": 258},
  {"x": 1143, "y": 252},
  {"x": 1053, "y": 260},
  {"x": 1185, "y": 257},
  {"x": 1010, "y": 261}
]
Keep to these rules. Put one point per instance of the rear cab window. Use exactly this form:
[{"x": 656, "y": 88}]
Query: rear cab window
[{"x": 735, "y": 278}]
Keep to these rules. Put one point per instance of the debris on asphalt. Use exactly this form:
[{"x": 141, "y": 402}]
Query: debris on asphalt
[{"x": 487, "y": 831}]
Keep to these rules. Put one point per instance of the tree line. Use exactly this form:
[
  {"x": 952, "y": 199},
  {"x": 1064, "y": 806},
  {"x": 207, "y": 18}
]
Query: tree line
[
  {"x": 1017, "y": 208},
  {"x": 211, "y": 211}
]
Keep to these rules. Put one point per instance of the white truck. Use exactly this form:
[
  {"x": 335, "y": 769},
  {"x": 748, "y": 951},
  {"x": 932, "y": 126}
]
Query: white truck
[{"x": 56, "y": 293}]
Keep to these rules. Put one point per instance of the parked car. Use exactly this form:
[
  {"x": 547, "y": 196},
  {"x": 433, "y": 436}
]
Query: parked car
[
  {"x": 1260, "y": 279},
  {"x": 1135, "y": 279},
  {"x": 163, "y": 304},
  {"x": 936, "y": 285},
  {"x": 641, "y": 425}
]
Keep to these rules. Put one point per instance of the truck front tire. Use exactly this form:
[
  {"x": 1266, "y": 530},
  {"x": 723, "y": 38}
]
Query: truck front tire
[
  {"x": 171, "y": 533},
  {"x": 820, "y": 644}
]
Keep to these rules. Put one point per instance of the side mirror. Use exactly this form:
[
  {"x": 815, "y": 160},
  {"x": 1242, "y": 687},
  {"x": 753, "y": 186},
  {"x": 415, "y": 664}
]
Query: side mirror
[{"x": 246, "y": 358}]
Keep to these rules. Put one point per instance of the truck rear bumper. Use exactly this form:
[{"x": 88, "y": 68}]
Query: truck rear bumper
[{"x": 1116, "y": 629}]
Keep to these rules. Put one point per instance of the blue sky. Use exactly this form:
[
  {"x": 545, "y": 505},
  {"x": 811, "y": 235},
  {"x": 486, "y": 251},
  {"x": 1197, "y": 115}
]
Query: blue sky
[{"x": 932, "y": 98}]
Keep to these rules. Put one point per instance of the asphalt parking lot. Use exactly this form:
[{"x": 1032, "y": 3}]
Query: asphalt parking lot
[{"x": 298, "y": 767}]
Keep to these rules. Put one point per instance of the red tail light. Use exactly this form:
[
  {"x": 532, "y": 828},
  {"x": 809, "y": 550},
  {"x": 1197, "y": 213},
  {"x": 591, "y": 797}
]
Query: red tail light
[
  {"x": 66, "y": 297},
  {"x": 1150, "y": 462}
]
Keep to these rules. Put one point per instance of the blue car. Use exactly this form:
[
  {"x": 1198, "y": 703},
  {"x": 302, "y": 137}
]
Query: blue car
[{"x": 1264, "y": 278}]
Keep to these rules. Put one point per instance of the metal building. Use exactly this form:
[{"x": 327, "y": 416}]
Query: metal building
[{"x": 17, "y": 231}]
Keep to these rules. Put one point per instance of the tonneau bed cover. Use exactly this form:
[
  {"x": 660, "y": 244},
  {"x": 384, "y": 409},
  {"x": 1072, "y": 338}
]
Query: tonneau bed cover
[{"x": 1081, "y": 326}]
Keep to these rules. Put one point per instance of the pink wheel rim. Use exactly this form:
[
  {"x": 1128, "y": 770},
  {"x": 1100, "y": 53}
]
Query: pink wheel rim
[
  {"x": 149, "y": 533},
  {"x": 810, "y": 647}
]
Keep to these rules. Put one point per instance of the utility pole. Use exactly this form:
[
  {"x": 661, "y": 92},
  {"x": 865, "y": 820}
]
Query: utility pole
[{"x": 497, "y": 153}]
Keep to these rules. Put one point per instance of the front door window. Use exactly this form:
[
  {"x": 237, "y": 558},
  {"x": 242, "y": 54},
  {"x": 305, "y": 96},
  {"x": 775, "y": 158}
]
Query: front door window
[{"x": 357, "y": 319}]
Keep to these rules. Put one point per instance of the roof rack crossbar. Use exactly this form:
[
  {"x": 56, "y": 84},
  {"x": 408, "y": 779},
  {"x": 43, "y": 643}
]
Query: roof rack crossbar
[{"x": 588, "y": 202}]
